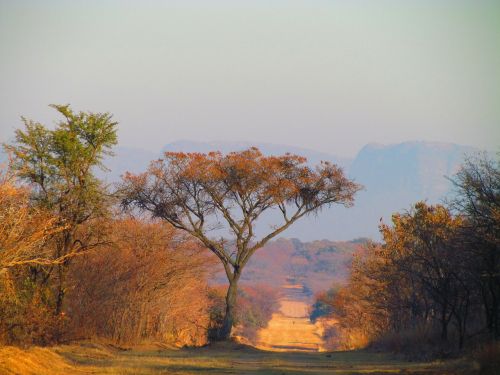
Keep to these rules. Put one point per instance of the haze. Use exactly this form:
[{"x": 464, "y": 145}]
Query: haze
[{"x": 326, "y": 75}]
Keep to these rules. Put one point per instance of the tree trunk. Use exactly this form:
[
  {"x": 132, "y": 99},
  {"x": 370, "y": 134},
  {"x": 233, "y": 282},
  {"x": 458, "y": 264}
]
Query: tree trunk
[
  {"x": 227, "y": 325},
  {"x": 60, "y": 289},
  {"x": 61, "y": 271},
  {"x": 444, "y": 324}
]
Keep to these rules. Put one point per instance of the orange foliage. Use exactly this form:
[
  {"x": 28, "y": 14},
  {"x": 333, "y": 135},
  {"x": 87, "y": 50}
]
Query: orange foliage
[
  {"x": 24, "y": 229},
  {"x": 415, "y": 281},
  {"x": 189, "y": 189},
  {"x": 149, "y": 285}
]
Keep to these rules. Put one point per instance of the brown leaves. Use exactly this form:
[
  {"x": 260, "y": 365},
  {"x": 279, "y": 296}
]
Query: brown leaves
[
  {"x": 193, "y": 191},
  {"x": 150, "y": 284},
  {"x": 24, "y": 229},
  {"x": 198, "y": 184}
]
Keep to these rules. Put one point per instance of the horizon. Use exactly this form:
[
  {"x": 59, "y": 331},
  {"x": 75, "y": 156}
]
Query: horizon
[
  {"x": 326, "y": 76},
  {"x": 350, "y": 157},
  {"x": 294, "y": 146}
]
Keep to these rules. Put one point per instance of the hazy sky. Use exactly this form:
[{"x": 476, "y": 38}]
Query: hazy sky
[{"x": 328, "y": 75}]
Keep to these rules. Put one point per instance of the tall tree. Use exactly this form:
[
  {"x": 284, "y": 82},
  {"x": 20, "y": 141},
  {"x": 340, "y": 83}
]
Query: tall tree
[
  {"x": 477, "y": 187},
  {"x": 60, "y": 166},
  {"x": 192, "y": 191}
]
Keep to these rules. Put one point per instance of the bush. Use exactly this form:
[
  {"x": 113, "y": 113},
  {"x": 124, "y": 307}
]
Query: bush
[
  {"x": 488, "y": 357},
  {"x": 149, "y": 285},
  {"x": 417, "y": 343},
  {"x": 26, "y": 314}
]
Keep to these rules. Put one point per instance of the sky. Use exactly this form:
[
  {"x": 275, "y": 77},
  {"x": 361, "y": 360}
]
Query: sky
[{"x": 327, "y": 75}]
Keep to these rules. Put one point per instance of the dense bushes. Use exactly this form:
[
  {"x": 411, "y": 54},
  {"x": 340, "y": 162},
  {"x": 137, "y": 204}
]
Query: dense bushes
[
  {"x": 26, "y": 234},
  {"x": 72, "y": 267},
  {"x": 434, "y": 280},
  {"x": 144, "y": 281},
  {"x": 154, "y": 287}
]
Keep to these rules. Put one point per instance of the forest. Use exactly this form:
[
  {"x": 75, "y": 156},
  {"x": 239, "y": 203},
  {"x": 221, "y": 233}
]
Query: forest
[{"x": 135, "y": 262}]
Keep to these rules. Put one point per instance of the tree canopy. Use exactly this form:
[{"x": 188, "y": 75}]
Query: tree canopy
[
  {"x": 189, "y": 189},
  {"x": 59, "y": 165}
]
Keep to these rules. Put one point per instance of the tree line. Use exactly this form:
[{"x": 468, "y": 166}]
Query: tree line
[
  {"x": 82, "y": 259},
  {"x": 433, "y": 283}
]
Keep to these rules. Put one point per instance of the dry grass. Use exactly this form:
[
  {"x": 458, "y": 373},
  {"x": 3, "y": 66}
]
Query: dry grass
[
  {"x": 36, "y": 361},
  {"x": 224, "y": 358}
]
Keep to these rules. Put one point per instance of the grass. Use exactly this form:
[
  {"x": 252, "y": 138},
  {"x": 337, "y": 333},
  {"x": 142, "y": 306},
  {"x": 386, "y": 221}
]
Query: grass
[{"x": 221, "y": 358}]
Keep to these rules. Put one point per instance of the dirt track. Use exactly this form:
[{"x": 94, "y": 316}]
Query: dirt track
[{"x": 290, "y": 329}]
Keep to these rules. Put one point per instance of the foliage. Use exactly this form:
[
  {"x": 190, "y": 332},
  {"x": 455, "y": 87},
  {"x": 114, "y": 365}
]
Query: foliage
[
  {"x": 154, "y": 288},
  {"x": 477, "y": 197},
  {"x": 24, "y": 229},
  {"x": 414, "y": 278},
  {"x": 435, "y": 277},
  {"x": 59, "y": 165},
  {"x": 25, "y": 235},
  {"x": 323, "y": 304},
  {"x": 189, "y": 190},
  {"x": 52, "y": 220}
]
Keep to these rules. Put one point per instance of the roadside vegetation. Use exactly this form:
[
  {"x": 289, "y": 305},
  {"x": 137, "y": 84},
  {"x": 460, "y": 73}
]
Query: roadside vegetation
[
  {"x": 80, "y": 259},
  {"x": 117, "y": 278},
  {"x": 431, "y": 287}
]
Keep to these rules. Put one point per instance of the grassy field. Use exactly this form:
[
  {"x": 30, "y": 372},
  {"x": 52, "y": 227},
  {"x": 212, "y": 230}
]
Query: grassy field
[{"x": 86, "y": 358}]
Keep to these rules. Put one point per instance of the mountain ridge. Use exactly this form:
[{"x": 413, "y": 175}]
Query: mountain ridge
[{"x": 394, "y": 177}]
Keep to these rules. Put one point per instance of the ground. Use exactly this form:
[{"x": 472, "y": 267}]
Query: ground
[
  {"x": 290, "y": 328},
  {"x": 222, "y": 358},
  {"x": 290, "y": 345}
]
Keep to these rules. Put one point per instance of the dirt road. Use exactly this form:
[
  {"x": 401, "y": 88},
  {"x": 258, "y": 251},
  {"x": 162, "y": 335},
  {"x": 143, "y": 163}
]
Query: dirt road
[{"x": 290, "y": 328}]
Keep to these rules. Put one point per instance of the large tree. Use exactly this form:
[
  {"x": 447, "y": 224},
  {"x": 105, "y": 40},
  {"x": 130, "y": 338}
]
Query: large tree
[
  {"x": 59, "y": 164},
  {"x": 477, "y": 188},
  {"x": 198, "y": 192}
]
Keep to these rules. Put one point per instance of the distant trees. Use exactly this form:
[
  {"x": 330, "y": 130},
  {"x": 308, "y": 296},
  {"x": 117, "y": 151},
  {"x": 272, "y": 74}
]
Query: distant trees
[
  {"x": 255, "y": 307},
  {"x": 436, "y": 268},
  {"x": 191, "y": 191}
]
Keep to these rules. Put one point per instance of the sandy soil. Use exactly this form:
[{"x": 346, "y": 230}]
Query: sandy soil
[
  {"x": 290, "y": 328},
  {"x": 220, "y": 358}
]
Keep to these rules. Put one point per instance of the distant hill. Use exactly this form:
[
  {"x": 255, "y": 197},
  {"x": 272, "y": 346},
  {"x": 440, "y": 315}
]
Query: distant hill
[
  {"x": 316, "y": 264},
  {"x": 415, "y": 168},
  {"x": 394, "y": 177}
]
